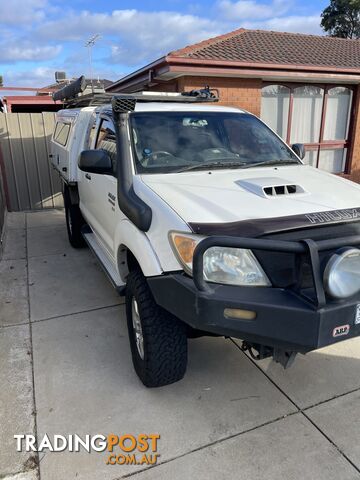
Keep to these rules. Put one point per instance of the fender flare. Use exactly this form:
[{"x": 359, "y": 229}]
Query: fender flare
[{"x": 128, "y": 236}]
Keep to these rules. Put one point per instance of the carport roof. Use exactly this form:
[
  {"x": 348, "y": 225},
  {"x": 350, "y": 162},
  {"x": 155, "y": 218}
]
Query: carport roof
[{"x": 276, "y": 47}]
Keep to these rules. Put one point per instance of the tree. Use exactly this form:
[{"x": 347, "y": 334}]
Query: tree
[{"x": 342, "y": 19}]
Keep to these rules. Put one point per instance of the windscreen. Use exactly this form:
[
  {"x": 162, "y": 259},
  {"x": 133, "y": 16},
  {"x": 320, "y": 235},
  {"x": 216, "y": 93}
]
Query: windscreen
[{"x": 178, "y": 141}]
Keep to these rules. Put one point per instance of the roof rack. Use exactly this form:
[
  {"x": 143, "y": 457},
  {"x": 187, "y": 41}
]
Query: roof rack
[{"x": 74, "y": 96}]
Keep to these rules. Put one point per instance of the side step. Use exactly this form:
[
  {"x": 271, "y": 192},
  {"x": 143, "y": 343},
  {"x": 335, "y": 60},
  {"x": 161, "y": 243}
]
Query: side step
[{"x": 104, "y": 260}]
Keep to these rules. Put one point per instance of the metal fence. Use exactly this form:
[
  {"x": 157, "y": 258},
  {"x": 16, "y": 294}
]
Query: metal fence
[
  {"x": 29, "y": 179},
  {"x": 2, "y": 208}
]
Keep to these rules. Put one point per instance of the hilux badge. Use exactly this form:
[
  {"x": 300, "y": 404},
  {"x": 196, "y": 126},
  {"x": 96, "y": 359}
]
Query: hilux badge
[
  {"x": 340, "y": 331},
  {"x": 357, "y": 315}
]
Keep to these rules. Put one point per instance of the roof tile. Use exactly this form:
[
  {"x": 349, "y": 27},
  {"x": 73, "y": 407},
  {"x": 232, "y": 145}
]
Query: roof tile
[{"x": 260, "y": 46}]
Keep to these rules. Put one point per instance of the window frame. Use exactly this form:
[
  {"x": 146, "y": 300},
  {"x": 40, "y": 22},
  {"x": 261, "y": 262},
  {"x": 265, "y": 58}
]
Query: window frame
[
  {"x": 91, "y": 139},
  {"x": 103, "y": 118},
  {"x": 322, "y": 144}
]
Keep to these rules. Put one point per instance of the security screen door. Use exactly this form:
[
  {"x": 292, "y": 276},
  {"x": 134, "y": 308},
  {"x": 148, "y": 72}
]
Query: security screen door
[{"x": 316, "y": 115}]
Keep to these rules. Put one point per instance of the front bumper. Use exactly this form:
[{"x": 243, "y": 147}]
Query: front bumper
[{"x": 284, "y": 317}]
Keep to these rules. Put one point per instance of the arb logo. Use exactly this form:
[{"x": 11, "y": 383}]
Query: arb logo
[{"x": 340, "y": 331}]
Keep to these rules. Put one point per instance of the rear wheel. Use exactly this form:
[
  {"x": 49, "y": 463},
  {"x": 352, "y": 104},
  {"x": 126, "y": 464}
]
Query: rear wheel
[
  {"x": 157, "y": 339},
  {"x": 74, "y": 221}
]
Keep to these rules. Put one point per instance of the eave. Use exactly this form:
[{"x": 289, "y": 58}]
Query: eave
[{"x": 171, "y": 67}]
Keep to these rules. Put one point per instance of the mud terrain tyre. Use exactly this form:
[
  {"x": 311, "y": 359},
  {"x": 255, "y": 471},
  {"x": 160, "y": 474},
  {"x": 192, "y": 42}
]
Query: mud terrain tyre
[
  {"x": 74, "y": 221},
  {"x": 158, "y": 340}
]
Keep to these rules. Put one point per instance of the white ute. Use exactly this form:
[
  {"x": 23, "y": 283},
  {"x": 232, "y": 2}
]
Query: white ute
[{"x": 209, "y": 224}]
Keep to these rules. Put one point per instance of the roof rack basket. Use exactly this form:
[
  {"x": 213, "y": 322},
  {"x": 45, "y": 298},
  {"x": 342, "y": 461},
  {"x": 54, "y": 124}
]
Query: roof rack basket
[{"x": 73, "y": 96}]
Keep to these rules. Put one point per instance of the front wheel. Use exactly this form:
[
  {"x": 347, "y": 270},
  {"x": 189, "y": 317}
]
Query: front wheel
[{"x": 158, "y": 340}]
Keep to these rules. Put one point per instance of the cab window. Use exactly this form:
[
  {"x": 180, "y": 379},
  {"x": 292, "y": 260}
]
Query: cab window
[
  {"x": 106, "y": 140},
  {"x": 167, "y": 142},
  {"x": 61, "y": 133}
]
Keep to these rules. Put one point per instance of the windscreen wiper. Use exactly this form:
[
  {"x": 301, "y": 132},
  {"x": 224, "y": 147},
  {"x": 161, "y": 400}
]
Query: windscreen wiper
[
  {"x": 217, "y": 164},
  {"x": 272, "y": 162}
]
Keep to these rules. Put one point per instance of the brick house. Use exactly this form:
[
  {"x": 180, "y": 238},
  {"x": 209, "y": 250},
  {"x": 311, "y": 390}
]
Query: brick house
[{"x": 305, "y": 87}]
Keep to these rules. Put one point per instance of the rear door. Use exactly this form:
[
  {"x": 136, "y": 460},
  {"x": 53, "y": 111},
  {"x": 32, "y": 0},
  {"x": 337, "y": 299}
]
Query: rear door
[{"x": 85, "y": 184}]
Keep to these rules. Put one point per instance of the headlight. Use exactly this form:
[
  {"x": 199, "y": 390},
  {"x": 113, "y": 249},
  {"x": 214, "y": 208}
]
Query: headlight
[
  {"x": 342, "y": 273},
  {"x": 232, "y": 266}
]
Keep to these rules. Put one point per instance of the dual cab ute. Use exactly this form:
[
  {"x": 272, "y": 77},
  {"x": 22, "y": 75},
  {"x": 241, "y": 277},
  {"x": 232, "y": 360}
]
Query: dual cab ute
[{"x": 209, "y": 224}]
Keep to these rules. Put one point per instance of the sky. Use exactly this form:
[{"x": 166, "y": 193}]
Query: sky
[{"x": 38, "y": 37}]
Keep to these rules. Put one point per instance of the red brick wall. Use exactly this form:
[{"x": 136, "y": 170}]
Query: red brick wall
[
  {"x": 165, "y": 87},
  {"x": 236, "y": 92}
]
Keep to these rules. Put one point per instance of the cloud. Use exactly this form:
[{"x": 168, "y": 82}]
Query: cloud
[
  {"x": 11, "y": 52},
  {"x": 37, "y": 77},
  {"x": 251, "y": 9},
  {"x": 15, "y": 12},
  {"x": 133, "y": 36},
  {"x": 275, "y": 15},
  {"x": 31, "y": 32},
  {"x": 18, "y": 21},
  {"x": 297, "y": 24}
]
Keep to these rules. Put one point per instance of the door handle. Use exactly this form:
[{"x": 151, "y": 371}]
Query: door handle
[{"x": 87, "y": 176}]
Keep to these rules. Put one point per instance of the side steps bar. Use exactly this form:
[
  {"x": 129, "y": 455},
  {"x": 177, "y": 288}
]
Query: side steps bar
[{"x": 104, "y": 260}]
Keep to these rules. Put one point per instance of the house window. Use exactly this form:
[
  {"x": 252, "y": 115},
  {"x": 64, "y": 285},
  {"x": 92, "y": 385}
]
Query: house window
[
  {"x": 316, "y": 115},
  {"x": 306, "y": 114},
  {"x": 275, "y": 108}
]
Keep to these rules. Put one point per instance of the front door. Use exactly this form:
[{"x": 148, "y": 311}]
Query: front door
[{"x": 104, "y": 210}]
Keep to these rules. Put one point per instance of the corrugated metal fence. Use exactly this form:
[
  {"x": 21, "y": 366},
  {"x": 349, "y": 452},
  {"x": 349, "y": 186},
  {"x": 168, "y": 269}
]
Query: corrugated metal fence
[
  {"x": 2, "y": 208},
  {"x": 29, "y": 180}
]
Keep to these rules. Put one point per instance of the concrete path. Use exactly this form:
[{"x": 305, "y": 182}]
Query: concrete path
[{"x": 65, "y": 368}]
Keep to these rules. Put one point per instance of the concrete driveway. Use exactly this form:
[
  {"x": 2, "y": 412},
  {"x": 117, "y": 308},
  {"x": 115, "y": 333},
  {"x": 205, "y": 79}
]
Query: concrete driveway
[{"x": 65, "y": 368}]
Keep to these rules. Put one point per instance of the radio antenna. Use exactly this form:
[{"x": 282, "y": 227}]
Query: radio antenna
[{"x": 89, "y": 44}]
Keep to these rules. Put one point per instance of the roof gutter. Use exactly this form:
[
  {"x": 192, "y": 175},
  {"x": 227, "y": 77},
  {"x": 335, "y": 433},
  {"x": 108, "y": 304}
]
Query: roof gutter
[
  {"x": 256, "y": 65},
  {"x": 141, "y": 71},
  {"x": 265, "y": 75}
]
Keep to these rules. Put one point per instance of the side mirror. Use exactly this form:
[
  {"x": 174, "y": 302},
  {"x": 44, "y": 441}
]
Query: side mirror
[
  {"x": 299, "y": 149},
  {"x": 95, "y": 161}
]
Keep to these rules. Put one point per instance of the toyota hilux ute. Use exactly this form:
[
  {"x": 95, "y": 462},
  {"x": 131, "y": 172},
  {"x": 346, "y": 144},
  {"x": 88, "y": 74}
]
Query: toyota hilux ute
[{"x": 209, "y": 224}]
